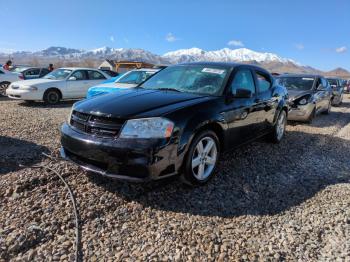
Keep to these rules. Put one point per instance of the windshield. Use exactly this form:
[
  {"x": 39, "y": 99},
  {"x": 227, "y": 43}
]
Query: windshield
[
  {"x": 332, "y": 82},
  {"x": 296, "y": 83},
  {"x": 134, "y": 77},
  {"x": 197, "y": 79},
  {"x": 58, "y": 74}
]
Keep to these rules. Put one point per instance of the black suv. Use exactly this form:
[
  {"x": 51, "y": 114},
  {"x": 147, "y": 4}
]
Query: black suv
[{"x": 176, "y": 122}]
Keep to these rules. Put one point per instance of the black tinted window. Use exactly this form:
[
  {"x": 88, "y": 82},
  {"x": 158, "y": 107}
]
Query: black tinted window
[
  {"x": 44, "y": 72},
  {"x": 94, "y": 75},
  {"x": 243, "y": 80},
  {"x": 32, "y": 72},
  {"x": 264, "y": 82}
]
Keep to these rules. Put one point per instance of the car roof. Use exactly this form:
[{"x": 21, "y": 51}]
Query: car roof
[
  {"x": 147, "y": 69},
  {"x": 29, "y": 67},
  {"x": 334, "y": 78},
  {"x": 228, "y": 65},
  {"x": 300, "y": 75},
  {"x": 79, "y": 68}
]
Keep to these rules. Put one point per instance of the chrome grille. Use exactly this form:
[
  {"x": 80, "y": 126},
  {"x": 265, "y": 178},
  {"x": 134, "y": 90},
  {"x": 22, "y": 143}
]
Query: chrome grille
[{"x": 96, "y": 125}]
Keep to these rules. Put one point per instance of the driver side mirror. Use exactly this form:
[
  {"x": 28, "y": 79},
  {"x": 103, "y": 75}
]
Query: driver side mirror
[
  {"x": 72, "y": 78},
  {"x": 242, "y": 93}
]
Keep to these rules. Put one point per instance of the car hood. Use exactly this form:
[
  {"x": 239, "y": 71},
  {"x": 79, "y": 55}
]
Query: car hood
[
  {"x": 113, "y": 85},
  {"x": 294, "y": 94},
  {"x": 136, "y": 102},
  {"x": 38, "y": 81}
]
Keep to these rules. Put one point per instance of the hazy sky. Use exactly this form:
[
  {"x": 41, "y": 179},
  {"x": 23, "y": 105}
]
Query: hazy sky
[{"x": 315, "y": 33}]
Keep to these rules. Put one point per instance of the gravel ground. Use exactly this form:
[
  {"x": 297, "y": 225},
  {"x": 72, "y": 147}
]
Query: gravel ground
[{"x": 268, "y": 202}]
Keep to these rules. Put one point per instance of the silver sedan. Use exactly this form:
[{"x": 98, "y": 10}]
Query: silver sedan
[{"x": 309, "y": 95}]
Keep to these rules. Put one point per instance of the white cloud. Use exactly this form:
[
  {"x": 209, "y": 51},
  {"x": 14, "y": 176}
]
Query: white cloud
[
  {"x": 235, "y": 43},
  {"x": 341, "y": 49},
  {"x": 170, "y": 37},
  {"x": 299, "y": 46},
  {"x": 111, "y": 38}
]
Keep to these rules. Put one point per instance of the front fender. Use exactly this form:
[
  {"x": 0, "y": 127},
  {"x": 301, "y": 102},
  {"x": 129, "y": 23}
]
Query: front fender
[
  {"x": 194, "y": 125},
  {"x": 282, "y": 104}
]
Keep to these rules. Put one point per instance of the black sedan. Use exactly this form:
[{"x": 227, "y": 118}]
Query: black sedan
[{"x": 177, "y": 122}]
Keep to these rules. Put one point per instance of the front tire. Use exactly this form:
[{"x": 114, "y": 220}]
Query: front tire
[
  {"x": 52, "y": 97},
  {"x": 279, "y": 128},
  {"x": 3, "y": 86},
  {"x": 201, "y": 159}
]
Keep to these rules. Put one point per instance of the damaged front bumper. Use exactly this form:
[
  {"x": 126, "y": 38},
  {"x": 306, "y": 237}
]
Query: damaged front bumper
[
  {"x": 133, "y": 160},
  {"x": 301, "y": 112}
]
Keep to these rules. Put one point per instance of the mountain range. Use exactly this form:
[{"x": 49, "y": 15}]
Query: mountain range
[{"x": 62, "y": 56}]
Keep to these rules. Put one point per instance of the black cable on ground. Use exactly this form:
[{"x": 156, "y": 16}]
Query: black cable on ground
[{"x": 72, "y": 198}]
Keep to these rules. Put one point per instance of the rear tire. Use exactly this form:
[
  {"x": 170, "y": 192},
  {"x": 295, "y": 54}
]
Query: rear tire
[
  {"x": 52, "y": 97},
  {"x": 280, "y": 128},
  {"x": 3, "y": 86},
  {"x": 201, "y": 159}
]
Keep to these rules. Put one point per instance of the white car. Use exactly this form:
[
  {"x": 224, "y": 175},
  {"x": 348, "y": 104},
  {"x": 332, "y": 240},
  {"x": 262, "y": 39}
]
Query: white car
[
  {"x": 63, "y": 83},
  {"x": 6, "y": 78}
]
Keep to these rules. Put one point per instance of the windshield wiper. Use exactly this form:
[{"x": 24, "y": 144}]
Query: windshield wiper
[{"x": 168, "y": 89}]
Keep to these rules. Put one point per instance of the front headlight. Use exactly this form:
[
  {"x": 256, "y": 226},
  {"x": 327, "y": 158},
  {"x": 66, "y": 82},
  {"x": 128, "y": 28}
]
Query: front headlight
[
  {"x": 303, "y": 101},
  {"x": 31, "y": 88},
  {"x": 156, "y": 127},
  {"x": 69, "y": 116}
]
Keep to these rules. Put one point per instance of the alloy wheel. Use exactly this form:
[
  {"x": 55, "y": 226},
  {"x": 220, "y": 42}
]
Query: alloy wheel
[
  {"x": 204, "y": 158},
  {"x": 3, "y": 87}
]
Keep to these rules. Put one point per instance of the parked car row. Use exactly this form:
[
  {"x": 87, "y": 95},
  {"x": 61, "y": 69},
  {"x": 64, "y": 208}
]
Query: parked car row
[{"x": 149, "y": 124}]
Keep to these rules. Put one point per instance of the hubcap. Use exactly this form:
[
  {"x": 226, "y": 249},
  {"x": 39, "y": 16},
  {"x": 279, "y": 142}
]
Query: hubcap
[
  {"x": 3, "y": 88},
  {"x": 281, "y": 125},
  {"x": 204, "y": 158},
  {"x": 53, "y": 97}
]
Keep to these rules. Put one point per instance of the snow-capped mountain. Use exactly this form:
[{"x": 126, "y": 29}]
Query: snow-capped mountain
[
  {"x": 223, "y": 55},
  {"x": 62, "y": 56},
  {"x": 179, "y": 56}
]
